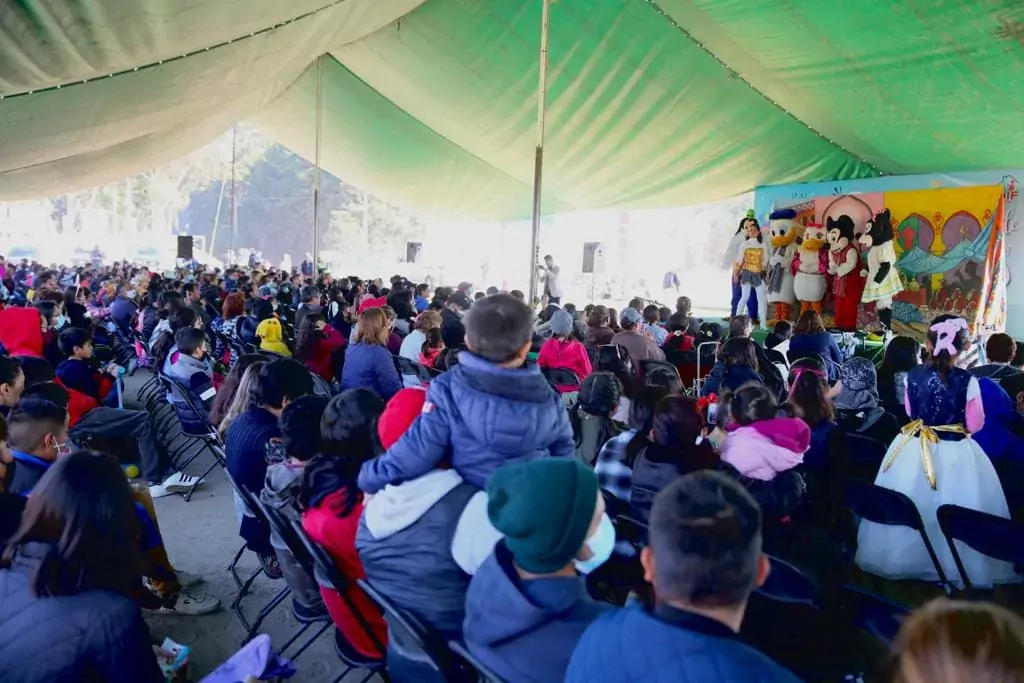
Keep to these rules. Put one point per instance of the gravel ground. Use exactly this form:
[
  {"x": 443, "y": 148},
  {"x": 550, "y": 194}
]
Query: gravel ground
[{"x": 202, "y": 537}]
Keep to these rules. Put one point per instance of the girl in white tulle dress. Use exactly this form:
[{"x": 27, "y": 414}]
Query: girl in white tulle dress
[{"x": 934, "y": 461}]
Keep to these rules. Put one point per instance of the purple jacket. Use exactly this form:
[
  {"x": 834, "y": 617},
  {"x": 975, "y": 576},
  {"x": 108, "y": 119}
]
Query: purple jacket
[{"x": 763, "y": 449}]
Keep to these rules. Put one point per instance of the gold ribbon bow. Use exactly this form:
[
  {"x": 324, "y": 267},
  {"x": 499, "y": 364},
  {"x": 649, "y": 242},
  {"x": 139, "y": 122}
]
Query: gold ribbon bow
[{"x": 929, "y": 436}]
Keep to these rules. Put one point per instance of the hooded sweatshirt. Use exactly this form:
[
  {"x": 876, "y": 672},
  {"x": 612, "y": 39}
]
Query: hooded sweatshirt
[
  {"x": 763, "y": 449},
  {"x": 525, "y": 630},
  {"x": 21, "y": 332},
  {"x": 421, "y": 540},
  {"x": 272, "y": 337}
]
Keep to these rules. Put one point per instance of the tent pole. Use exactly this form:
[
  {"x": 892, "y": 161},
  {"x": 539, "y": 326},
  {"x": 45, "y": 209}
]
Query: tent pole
[
  {"x": 316, "y": 175},
  {"x": 538, "y": 161}
]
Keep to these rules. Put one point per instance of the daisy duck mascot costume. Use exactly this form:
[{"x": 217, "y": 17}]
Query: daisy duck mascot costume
[
  {"x": 845, "y": 268},
  {"x": 810, "y": 263},
  {"x": 783, "y": 231},
  {"x": 883, "y": 281}
]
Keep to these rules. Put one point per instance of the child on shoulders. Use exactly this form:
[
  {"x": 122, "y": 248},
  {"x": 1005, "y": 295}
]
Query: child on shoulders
[{"x": 488, "y": 410}]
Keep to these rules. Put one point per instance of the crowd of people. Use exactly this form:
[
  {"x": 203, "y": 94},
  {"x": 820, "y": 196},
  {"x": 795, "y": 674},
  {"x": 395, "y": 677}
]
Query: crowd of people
[{"x": 579, "y": 495}]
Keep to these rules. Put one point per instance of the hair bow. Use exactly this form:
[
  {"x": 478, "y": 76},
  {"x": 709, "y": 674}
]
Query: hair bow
[
  {"x": 798, "y": 372},
  {"x": 946, "y": 332}
]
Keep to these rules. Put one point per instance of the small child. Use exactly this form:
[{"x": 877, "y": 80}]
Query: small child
[
  {"x": 432, "y": 348},
  {"x": 488, "y": 410},
  {"x": 759, "y": 444},
  {"x": 190, "y": 367},
  {"x": 78, "y": 373}
]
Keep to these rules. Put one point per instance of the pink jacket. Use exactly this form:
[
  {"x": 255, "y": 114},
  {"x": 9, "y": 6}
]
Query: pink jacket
[
  {"x": 763, "y": 449},
  {"x": 569, "y": 354}
]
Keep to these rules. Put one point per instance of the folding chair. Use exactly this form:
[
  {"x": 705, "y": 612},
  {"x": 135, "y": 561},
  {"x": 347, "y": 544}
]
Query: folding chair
[
  {"x": 863, "y": 457},
  {"x": 207, "y": 437},
  {"x": 631, "y": 530},
  {"x": 484, "y": 673},
  {"x": 327, "y": 572},
  {"x": 651, "y": 367},
  {"x": 872, "y": 613},
  {"x": 892, "y": 508},
  {"x": 407, "y": 367},
  {"x": 990, "y": 535},
  {"x": 789, "y": 585},
  {"x": 251, "y": 503},
  {"x": 1011, "y": 477},
  {"x": 557, "y": 377}
]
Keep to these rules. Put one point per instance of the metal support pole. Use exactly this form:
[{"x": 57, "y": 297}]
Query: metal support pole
[
  {"x": 538, "y": 161},
  {"x": 316, "y": 175},
  {"x": 234, "y": 205}
]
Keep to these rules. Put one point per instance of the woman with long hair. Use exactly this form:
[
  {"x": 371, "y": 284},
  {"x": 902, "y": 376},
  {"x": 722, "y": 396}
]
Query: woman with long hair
[
  {"x": 332, "y": 505},
  {"x": 244, "y": 396},
  {"x": 228, "y": 390},
  {"x": 368, "y": 363},
  {"x": 591, "y": 416},
  {"x": 810, "y": 400},
  {"x": 739, "y": 364},
  {"x": 74, "y": 564},
  {"x": 316, "y": 343},
  {"x": 811, "y": 339},
  {"x": 179, "y": 319},
  {"x": 76, "y": 300},
  {"x": 902, "y": 355},
  {"x": 229, "y": 325}
]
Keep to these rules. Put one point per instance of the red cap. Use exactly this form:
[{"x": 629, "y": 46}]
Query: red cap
[{"x": 401, "y": 411}]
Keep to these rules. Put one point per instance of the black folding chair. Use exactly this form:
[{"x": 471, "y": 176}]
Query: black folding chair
[
  {"x": 892, "y": 508},
  {"x": 558, "y": 377},
  {"x": 789, "y": 585},
  {"x": 328, "y": 574},
  {"x": 254, "y": 508},
  {"x": 872, "y": 613},
  {"x": 407, "y": 367},
  {"x": 652, "y": 367},
  {"x": 862, "y": 458},
  {"x": 207, "y": 438},
  {"x": 992, "y": 536}
]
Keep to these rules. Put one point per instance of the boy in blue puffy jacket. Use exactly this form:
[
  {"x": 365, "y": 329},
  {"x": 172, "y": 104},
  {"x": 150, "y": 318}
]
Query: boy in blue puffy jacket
[{"x": 487, "y": 411}]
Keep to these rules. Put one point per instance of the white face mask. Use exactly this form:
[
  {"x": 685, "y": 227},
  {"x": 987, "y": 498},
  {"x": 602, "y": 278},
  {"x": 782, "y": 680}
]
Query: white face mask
[{"x": 600, "y": 544}]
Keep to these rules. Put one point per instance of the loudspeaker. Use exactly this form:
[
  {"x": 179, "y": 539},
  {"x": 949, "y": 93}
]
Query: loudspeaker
[
  {"x": 185, "y": 246},
  {"x": 412, "y": 251},
  {"x": 593, "y": 257}
]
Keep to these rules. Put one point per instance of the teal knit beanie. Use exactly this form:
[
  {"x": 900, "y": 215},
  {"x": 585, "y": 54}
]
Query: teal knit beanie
[{"x": 544, "y": 509}]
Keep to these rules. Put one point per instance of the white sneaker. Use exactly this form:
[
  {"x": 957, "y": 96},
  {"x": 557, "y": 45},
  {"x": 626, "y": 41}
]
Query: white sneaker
[
  {"x": 158, "y": 491},
  {"x": 179, "y": 482},
  {"x": 190, "y": 605},
  {"x": 188, "y": 580}
]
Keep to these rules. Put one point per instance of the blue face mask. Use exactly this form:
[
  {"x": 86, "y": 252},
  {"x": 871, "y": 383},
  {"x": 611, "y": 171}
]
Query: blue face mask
[
  {"x": 61, "y": 322},
  {"x": 600, "y": 544}
]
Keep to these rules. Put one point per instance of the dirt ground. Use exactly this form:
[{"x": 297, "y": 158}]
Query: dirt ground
[{"x": 202, "y": 537}]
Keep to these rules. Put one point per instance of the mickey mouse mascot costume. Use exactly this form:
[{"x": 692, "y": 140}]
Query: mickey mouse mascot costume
[{"x": 844, "y": 266}]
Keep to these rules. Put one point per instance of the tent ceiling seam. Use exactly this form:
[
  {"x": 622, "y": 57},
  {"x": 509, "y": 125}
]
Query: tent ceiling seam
[
  {"x": 527, "y": 185},
  {"x": 735, "y": 74},
  {"x": 225, "y": 43}
]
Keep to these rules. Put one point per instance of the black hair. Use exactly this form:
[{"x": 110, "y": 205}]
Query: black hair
[
  {"x": 10, "y": 367},
  {"x": 783, "y": 328},
  {"x": 83, "y": 507},
  {"x": 348, "y": 438},
  {"x": 47, "y": 391},
  {"x": 615, "y": 359},
  {"x": 46, "y": 309},
  {"x": 498, "y": 327},
  {"x": 752, "y": 403},
  {"x": 189, "y": 340},
  {"x": 808, "y": 391},
  {"x": 181, "y": 317},
  {"x": 739, "y": 351},
  {"x": 73, "y": 338},
  {"x": 308, "y": 293},
  {"x": 641, "y": 417},
  {"x": 300, "y": 426},
  {"x": 652, "y": 314},
  {"x": 433, "y": 340},
  {"x": 901, "y": 355},
  {"x": 942, "y": 361},
  {"x": 36, "y": 370},
  {"x": 599, "y": 396},
  {"x": 307, "y": 335},
  {"x": 705, "y": 535},
  {"x": 31, "y": 421},
  {"x": 677, "y": 322},
  {"x": 281, "y": 380},
  {"x": 1000, "y": 348},
  {"x": 227, "y": 391}
]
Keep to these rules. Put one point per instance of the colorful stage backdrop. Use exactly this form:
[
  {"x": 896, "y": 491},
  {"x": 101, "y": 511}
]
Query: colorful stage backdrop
[{"x": 950, "y": 246}]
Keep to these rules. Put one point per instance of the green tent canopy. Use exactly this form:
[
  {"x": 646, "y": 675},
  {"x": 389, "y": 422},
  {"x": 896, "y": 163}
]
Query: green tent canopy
[{"x": 432, "y": 103}]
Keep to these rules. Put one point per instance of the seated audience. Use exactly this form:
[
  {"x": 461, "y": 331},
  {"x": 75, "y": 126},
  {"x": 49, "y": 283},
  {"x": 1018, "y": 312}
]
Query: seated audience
[
  {"x": 562, "y": 350},
  {"x": 488, "y": 410},
  {"x": 1000, "y": 350},
  {"x": 527, "y": 605},
  {"x": 271, "y": 337},
  {"x": 332, "y": 506},
  {"x": 902, "y": 355},
  {"x": 278, "y": 383},
  {"x": 779, "y": 337},
  {"x": 857, "y": 406},
  {"x": 300, "y": 441},
  {"x": 652, "y": 321},
  {"x": 68, "y": 577},
  {"x": 394, "y": 341},
  {"x": 811, "y": 339},
  {"x": 412, "y": 345},
  {"x": 703, "y": 559},
  {"x": 739, "y": 364},
  {"x": 678, "y": 339},
  {"x": 319, "y": 345},
  {"x": 420, "y": 541},
  {"x": 432, "y": 349},
  {"x": 614, "y": 464},
  {"x": 615, "y": 359},
  {"x": 230, "y": 326},
  {"x": 598, "y": 332},
  {"x": 231, "y": 386},
  {"x": 452, "y": 328},
  {"x": 684, "y": 308},
  {"x": 1002, "y": 436},
  {"x": 591, "y": 415},
  {"x": 740, "y": 327},
  {"x": 640, "y": 346},
  {"x": 368, "y": 363},
  {"x": 809, "y": 400},
  {"x": 12, "y": 383},
  {"x": 190, "y": 367},
  {"x": 761, "y": 444},
  {"x": 78, "y": 373},
  {"x": 951, "y": 641},
  {"x": 11, "y": 504}
]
